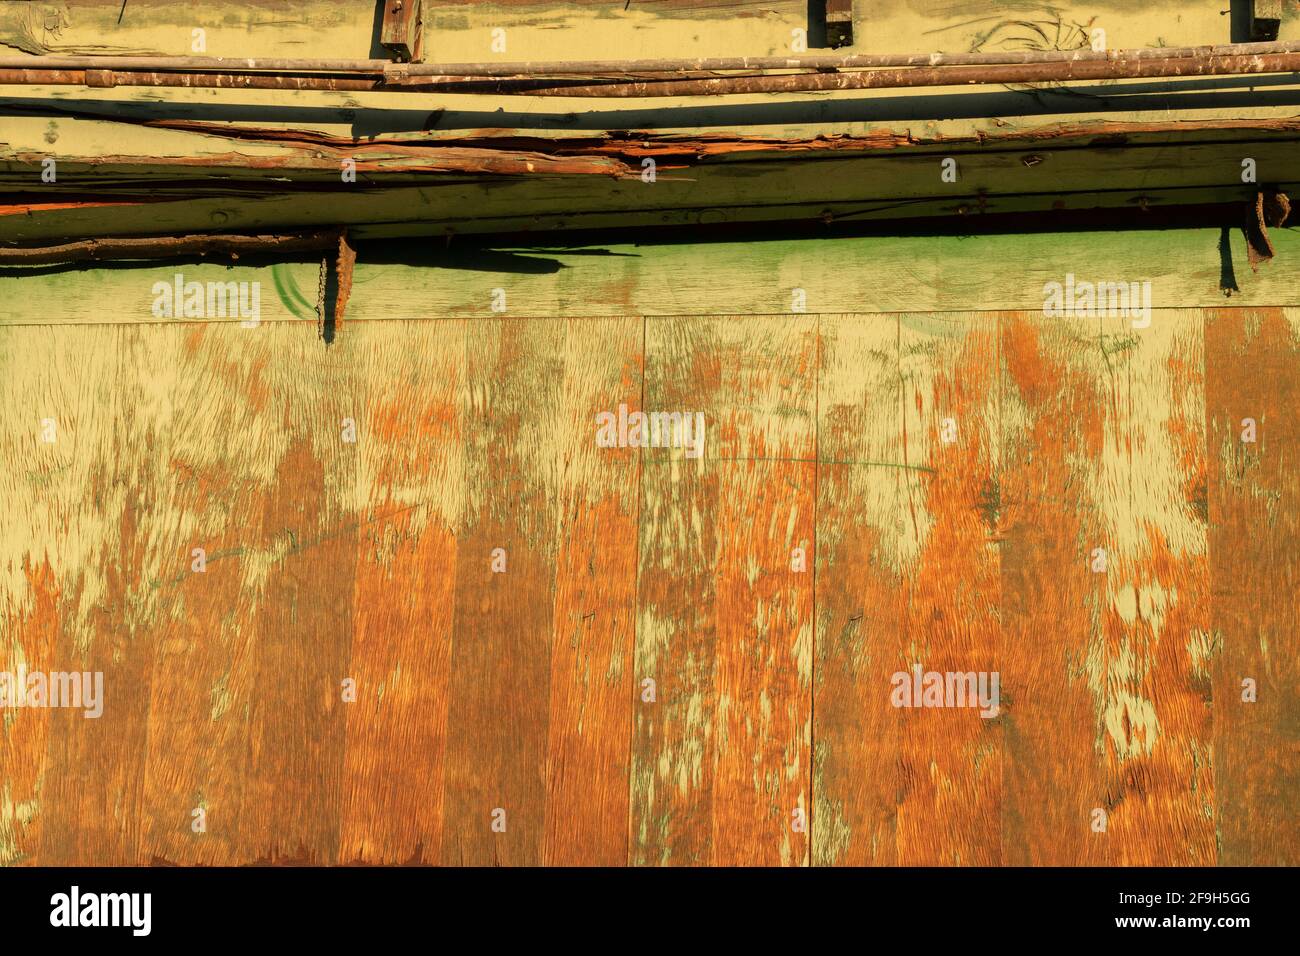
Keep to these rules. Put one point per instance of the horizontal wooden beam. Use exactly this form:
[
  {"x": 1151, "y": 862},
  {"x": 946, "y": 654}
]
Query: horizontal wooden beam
[
  {"x": 743, "y": 277},
  {"x": 571, "y": 183}
]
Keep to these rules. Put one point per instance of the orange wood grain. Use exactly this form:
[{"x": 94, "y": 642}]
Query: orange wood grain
[
  {"x": 202, "y": 686},
  {"x": 593, "y": 687},
  {"x": 1108, "y": 455},
  {"x": 721, "y": 758},
  {"x": 303, "y": 621},
  {"x": 501, "y": 650},
  {"x": 1165, "y": 815},
  {"x": 862, "y": 486},
  {"x": 1053, "y": 777},
  {"x": 373, "y": 561},
  {"x": 672, "y": 769},
  {"x": 30, "y": 632},
  {"x": 931, "y": 598},
  {"x": 410, "y": 472},
  {"x": 91, "y": 795},
  {"x": 1254, "y": 508},
  {"x": 950, "y": 758}
]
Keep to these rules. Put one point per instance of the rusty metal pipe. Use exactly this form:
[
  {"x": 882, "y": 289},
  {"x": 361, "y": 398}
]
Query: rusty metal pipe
[
  {"x": 236, "y": 65},
  {"x": 1045, "y": 72},
  {"x": 942, "y": 76},
  {"x": 107, "y": 79},
  {"x": 359, "y": 83},
  {"x": 161, "y": 247}
]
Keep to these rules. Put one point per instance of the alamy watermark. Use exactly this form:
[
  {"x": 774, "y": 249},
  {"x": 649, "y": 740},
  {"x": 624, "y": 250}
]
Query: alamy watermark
[
  {"x": 651, "y": 430},
  {"x": 208, "y": 300},
  {"x": 76, "y": 689},
  {"x": 947, "y": 689},
  {"x": 1094, "y": 299},
  {"x": 133, "y": 911}
]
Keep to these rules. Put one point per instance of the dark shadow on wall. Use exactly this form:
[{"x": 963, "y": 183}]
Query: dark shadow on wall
[
  {"x": 816, "y": 24},
  {"x": 1227, "y": 275},
  {"x": 377, "y": 52}
]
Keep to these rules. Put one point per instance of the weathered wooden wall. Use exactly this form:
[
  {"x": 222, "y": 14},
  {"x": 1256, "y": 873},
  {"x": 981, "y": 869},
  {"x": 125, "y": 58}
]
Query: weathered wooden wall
[{"x": 522, "y": 690}]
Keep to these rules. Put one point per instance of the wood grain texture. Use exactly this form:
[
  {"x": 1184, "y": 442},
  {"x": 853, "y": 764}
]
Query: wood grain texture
[
  {"x": 1108, "y": 439},
  {"x": 372, "y": 561},
  {"x": 592, "y": 683},
  {"x": 863, "y": 483},
  {"x": 500, "y": 671},
  {"x": 914, "y": 493},
  {"x": 1050, "y": 524},
  {"x": 995, "y": 273},
  {"x": 1254, "y": 529},
  {"x": 410, "y": 412},
  {"x": 721, "y": 758}
]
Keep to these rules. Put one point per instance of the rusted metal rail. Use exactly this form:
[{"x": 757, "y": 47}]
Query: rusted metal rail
[
  {"x": 203, "y": 245},
  {"x": 945, "y": 76},
  {"x": 107, "y": 79},
  {"x": 879, "y": 78}
]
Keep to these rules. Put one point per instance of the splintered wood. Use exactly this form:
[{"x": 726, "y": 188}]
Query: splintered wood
[{"x": 919, "y": 588}]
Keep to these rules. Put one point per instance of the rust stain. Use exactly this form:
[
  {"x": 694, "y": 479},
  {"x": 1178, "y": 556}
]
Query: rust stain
[{"x": 343, "y": 264}]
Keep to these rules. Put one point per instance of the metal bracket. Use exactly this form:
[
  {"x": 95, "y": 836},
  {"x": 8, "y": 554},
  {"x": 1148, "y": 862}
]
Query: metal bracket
[
  {"x": 401, "y": 29},
  {"x": 1265, "y": 19},
  {"x": 839, "y": 23}
]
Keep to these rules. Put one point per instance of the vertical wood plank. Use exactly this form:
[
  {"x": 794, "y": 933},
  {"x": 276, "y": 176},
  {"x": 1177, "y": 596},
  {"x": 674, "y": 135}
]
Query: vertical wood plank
[
  {"x": 1054, "y": 414},
  {"x": 1253, "y": 371},
  {"x": 411, "y": 487},
  {"x": 951, "y": 757},
  {"x": 1119, "y": 464},
  {"x": 115, "y": 407},
  {"x": 305, "y": 552},
  {"x": 673, "y": 757},
  {"x": 31, "y": 619},
  {"x": 38, "y": 558},
  {"x": 1155, "y": 611},
  {"x": 862, "y": 553},
  {"x": 721, "y": 758},
  {"x": 920, "y": 507},
  {"x": 501, "y": 655},
  {"x": 219, "y": 465},
  {"x": 592, "y": 686}
]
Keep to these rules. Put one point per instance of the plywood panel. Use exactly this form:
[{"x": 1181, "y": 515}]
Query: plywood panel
[
  {"x": 410, "y": 492},
  {"x": 1254, "y": 542},
  {"x": 966, "y": 551},
  {"x": 223, "y": 442},
  {"x": 505, "y": 598},
  {"x": 539, "y": 688},
  {"x": 83, "y": 543},
  {"x": 911, "y": 409},
  {"x": 721, "y": 758},
  {"x": 1109, "y": 575},
  {"x": 863, "y": 481},
  {"x": 1054, "y": 416},
  {"x": 593, "y": 686}
]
